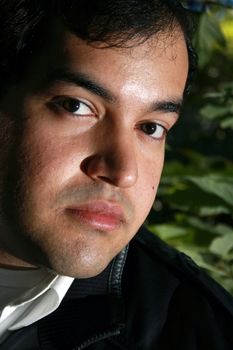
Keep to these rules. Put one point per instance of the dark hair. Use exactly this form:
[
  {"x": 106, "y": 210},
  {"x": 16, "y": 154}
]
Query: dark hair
[{"x": 24, "y": 23}]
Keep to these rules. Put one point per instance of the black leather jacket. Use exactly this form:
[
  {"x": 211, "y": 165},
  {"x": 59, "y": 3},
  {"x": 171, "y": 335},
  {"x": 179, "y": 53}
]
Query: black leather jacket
[{"x": 158, "y": 299}]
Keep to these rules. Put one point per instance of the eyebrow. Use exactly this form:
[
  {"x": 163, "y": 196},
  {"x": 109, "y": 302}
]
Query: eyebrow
[
  {"x": 172, "y": 105},
  {"x": 81, "y": 80}
]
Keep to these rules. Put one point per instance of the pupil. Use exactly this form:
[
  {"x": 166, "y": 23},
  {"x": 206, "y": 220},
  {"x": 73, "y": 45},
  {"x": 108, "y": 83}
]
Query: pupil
[
  {"x": 71, "y": 105},
  {"x": 149, "y": 128}
]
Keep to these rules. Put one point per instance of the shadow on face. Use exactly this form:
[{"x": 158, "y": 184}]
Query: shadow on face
[{"x": 85, "y": 165}]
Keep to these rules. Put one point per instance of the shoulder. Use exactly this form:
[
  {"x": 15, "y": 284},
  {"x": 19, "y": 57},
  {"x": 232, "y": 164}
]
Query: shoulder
[
  {"x": 171, "y": 302},
  {"x": 181, "y": 267}
]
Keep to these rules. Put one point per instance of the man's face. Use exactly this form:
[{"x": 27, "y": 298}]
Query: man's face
[{"x": 90, "y": 154}]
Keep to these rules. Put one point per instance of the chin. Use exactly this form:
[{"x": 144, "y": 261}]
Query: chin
[
  {"x": 80, "y": 272},
  {"x": 78, "y": 267},
  {"x": 70, "y": 255}
]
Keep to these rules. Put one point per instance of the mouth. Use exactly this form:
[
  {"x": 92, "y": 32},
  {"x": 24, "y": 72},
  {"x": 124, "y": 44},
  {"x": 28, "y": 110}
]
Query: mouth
[{"x": 100, "y": 215}]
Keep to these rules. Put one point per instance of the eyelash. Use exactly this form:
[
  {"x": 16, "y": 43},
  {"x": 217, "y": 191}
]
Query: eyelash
[
  {"x": 154, "y": 125},
  {"x": 59, "y": 102},
  {"x": 62, "y": 102}
]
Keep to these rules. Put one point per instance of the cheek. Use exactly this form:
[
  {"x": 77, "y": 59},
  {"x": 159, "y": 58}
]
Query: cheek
[
  {"x": 148, "y": 183},
  {"x": 151, "y": 169},
  {"x": 48, "y": 164}
]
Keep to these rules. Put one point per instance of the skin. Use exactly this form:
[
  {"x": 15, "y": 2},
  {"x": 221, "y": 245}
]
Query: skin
[{"x": 106, "y": 150}]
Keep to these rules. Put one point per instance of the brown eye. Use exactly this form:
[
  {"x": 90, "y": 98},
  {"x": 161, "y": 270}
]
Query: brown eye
[
  {"x": 154, "y": 130},
  {"x": 72, "y": 106}
]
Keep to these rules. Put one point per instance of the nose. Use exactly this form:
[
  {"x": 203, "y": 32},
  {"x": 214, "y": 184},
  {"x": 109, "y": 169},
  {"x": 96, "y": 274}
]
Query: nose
[{"x": 115, "y": 162}]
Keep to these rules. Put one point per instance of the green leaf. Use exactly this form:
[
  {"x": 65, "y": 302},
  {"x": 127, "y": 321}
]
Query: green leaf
[
  {"x": 223, "y": 229},
  {"x": 197, "y": 223},
  {"x": 227, "y": 123},
  {"x": 208, "y": 37},
  {"x": 211, "y": 111},
  {"x": 168, "y": 231},
  {"x": 193, "y": 198},
  {"x": 227, "y": 283},
  {"x": 220, "y": 186},
  {"x": 222, "y": 245},
  {"x": 213, "y": 211},
  {"x": 199, "y": 259}
]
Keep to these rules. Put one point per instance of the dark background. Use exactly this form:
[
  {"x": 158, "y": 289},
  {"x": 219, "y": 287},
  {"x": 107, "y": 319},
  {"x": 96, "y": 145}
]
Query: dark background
[{"x": 193, "y": 209}]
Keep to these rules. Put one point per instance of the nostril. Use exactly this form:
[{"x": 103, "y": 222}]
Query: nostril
[{"x": 89, "y": 164}]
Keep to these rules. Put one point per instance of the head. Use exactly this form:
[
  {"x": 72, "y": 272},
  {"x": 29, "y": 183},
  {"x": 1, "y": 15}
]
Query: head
[{"x": 90, "y": 91}]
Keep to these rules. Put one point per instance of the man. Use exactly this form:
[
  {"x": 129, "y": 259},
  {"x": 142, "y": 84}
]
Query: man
[{"x": 89, "y": 91}]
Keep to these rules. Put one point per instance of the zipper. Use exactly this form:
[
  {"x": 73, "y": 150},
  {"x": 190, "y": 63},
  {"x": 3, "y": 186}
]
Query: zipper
[
  {"x": 97, "y": 338},
  {"x": 114, "y": 288}
]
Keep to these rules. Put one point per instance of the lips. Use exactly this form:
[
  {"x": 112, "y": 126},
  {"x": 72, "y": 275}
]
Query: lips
[{"x": 101, "y": 215}]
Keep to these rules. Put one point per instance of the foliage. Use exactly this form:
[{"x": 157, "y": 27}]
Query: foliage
[
  {"x": 219, "y": 107},
  {"x": 194, "y": 205},
  {"x": 202, "y": 5}
]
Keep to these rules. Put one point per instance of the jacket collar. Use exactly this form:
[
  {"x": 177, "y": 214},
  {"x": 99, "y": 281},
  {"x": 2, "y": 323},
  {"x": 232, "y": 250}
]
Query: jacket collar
[{"x": 102, "y": 314}]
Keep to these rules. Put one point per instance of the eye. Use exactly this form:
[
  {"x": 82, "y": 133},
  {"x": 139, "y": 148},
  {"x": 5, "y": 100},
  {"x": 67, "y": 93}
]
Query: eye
[
  {"x": 154, "y": 130},
  {"x": 72, "y": 106}
]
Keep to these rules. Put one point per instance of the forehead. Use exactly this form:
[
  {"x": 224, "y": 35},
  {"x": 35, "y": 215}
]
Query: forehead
[
  {"x": 161, "y": 60},
  {"x": 160, "y": 49}
]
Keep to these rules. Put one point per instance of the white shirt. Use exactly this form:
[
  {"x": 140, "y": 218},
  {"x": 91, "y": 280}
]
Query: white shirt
[{"x": 28, "y": 295}]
